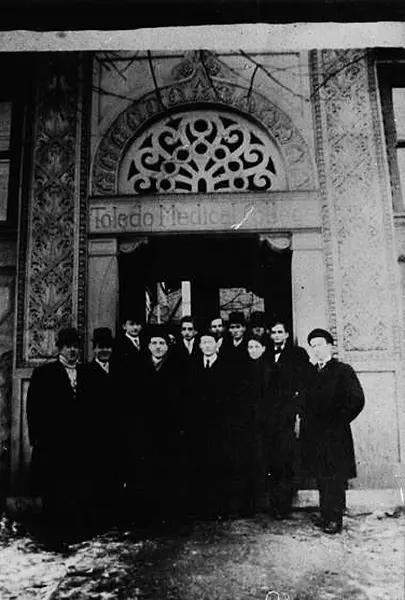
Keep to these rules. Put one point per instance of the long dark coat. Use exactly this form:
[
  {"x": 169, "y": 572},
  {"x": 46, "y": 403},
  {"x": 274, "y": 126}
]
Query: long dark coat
[
  {"x": 247, "y": 424},
  {"x": 335, "y": 398},
  {"x": 126, "y": 361},
  {"x": 155, "y": 436},
  {"x": 286, "y": 398},
  {"x": 57, "y": 426},
  {"x": 207, "y": 408},
  {"x": 104, "y": 408},
  {"x": 184, "y": 356}
]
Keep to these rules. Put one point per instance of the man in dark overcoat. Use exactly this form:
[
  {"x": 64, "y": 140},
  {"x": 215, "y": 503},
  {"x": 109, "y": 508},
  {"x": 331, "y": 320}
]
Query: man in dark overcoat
[
  {"x": 335, "y": 398},
  {"x": 105, "y": 440},
  {"x": 207, "y": 408},
  {"x": 290, "y": 369},
  {"x": 58, "y": 433},
  {"x": 156, "y": 433}
]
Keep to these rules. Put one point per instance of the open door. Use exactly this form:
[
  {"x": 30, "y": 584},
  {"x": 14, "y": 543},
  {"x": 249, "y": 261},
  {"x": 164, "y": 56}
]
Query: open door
[{"x": 205, "y": 275}]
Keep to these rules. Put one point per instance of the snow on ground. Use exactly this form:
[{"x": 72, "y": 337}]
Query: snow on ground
[{"x": 230, "y": 560}]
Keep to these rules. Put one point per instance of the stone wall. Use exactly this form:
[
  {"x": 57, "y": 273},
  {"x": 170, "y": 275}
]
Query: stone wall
[{"x": 365, "y": 313}]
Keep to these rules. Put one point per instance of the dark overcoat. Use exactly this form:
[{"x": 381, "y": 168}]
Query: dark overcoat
[
  {"x": 207, "y": 410},
  {"x": 235, "y": 356},
  {"x": 247, "y": 424},
  {"x": 335, "y": 398},
  {"x": 57, "y": 425},
  {"x": 286, "y": 398},
  {"x": 155, "y": 434},
  {"x": 184, "y": 356},
  {"x": 104, "y": 408},
  {"x": 125, "y": 358}
]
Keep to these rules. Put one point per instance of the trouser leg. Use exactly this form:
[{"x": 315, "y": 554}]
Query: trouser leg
[{"x": 332, "y": 498}]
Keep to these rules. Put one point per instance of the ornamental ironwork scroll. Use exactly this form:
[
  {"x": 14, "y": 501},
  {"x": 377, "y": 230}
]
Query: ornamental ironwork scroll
[{"x": 202, "y": 151}]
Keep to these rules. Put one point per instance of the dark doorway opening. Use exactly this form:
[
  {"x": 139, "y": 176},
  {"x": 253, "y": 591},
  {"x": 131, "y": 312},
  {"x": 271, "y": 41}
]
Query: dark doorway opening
[{"x": 223, "y": 273}]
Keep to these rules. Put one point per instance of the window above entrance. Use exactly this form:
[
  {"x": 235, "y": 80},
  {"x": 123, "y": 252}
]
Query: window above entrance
[{"x": 202, "y": 151}]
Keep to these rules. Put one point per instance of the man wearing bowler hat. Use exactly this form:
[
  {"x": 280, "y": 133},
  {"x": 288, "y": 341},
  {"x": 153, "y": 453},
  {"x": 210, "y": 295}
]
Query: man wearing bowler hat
[
  {"x": 104, "y": 410},
  {"x": 58, "y": 428},
  {"x": 335, "y": 398}
]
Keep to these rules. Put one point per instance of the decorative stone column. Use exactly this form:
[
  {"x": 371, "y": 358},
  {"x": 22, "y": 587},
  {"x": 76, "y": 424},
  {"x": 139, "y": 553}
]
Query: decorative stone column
[
  {"x": 358, "y": 231},
  {"x": 308, "y": 285},
  {"x": 53, "y": 226},
  {"x": 52, "y": 249}
]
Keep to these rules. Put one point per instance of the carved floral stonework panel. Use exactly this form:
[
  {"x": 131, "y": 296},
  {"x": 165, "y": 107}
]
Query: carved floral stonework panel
[
  {"x": 356, "y": 200},
  {"x": 201, "y": 151},
  {"x": 200, "y": 85},
  {"x": 51, "y": 296}
]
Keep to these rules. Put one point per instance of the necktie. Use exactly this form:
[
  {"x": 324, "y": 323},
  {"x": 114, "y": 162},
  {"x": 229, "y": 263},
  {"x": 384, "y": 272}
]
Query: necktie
[
  {"x": 207, "y": 364},
  {"x": 321, "y": 366}
]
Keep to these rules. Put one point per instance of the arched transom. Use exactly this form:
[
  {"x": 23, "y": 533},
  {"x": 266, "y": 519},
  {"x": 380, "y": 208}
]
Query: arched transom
[{"x": 202, "y": 151}]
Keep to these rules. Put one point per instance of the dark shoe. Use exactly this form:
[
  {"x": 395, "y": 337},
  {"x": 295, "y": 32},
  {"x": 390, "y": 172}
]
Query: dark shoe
[
  {"x": 317, "y": 521},
  {"x": 332, "y": 527}
]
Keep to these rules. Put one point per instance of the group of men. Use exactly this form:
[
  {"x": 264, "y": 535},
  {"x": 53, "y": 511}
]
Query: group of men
[{"x": 212, "y": 423}]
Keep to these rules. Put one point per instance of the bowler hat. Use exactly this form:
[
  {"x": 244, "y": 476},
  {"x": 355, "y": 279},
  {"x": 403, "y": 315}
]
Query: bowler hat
[
  {"x": 237, "y": 318},
  {"x": 67, "y": 336},
  {"x": 320, "y": 333},
  {"x": 102, "y": 336}
]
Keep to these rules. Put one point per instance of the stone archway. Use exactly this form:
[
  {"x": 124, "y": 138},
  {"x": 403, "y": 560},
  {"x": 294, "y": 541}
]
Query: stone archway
[{"x": 198, "y": 94}]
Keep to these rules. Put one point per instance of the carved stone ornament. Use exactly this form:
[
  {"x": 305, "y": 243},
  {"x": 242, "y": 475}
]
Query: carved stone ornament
[
  {"x": 278, "y": 243},
  {"x": 212, "y": 97},
  {"x": 55, "y": 245},
  {"x": 357, "y": 230},
  {"x": 202, "y": 151},
  {"x": 128, "y": 247}
]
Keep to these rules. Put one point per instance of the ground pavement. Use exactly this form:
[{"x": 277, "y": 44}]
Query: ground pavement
[{"x": 238, "y": 559}]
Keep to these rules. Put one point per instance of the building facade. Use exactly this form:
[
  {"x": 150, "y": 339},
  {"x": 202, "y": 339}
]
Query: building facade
[{"x": 195, "y": 180}]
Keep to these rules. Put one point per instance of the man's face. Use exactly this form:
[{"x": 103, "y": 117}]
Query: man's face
[
  {"x": 132, "y": 328},
  {"x": 208, "y": 345},
  {"x": 278, "y": 334},
  {"x": 237, "y": 330},
  {"x": 217, "y": 328},
  {"x": 102, "y": 353},
  {"x": 70, "y": 353},
  {"x": 255, "y": 349},
  {"x": 158, "y": 347},
  {"x": 187, "y": 330},
  {"x": 258, "y": 330},
  {"x": 321, "y": 349}
]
